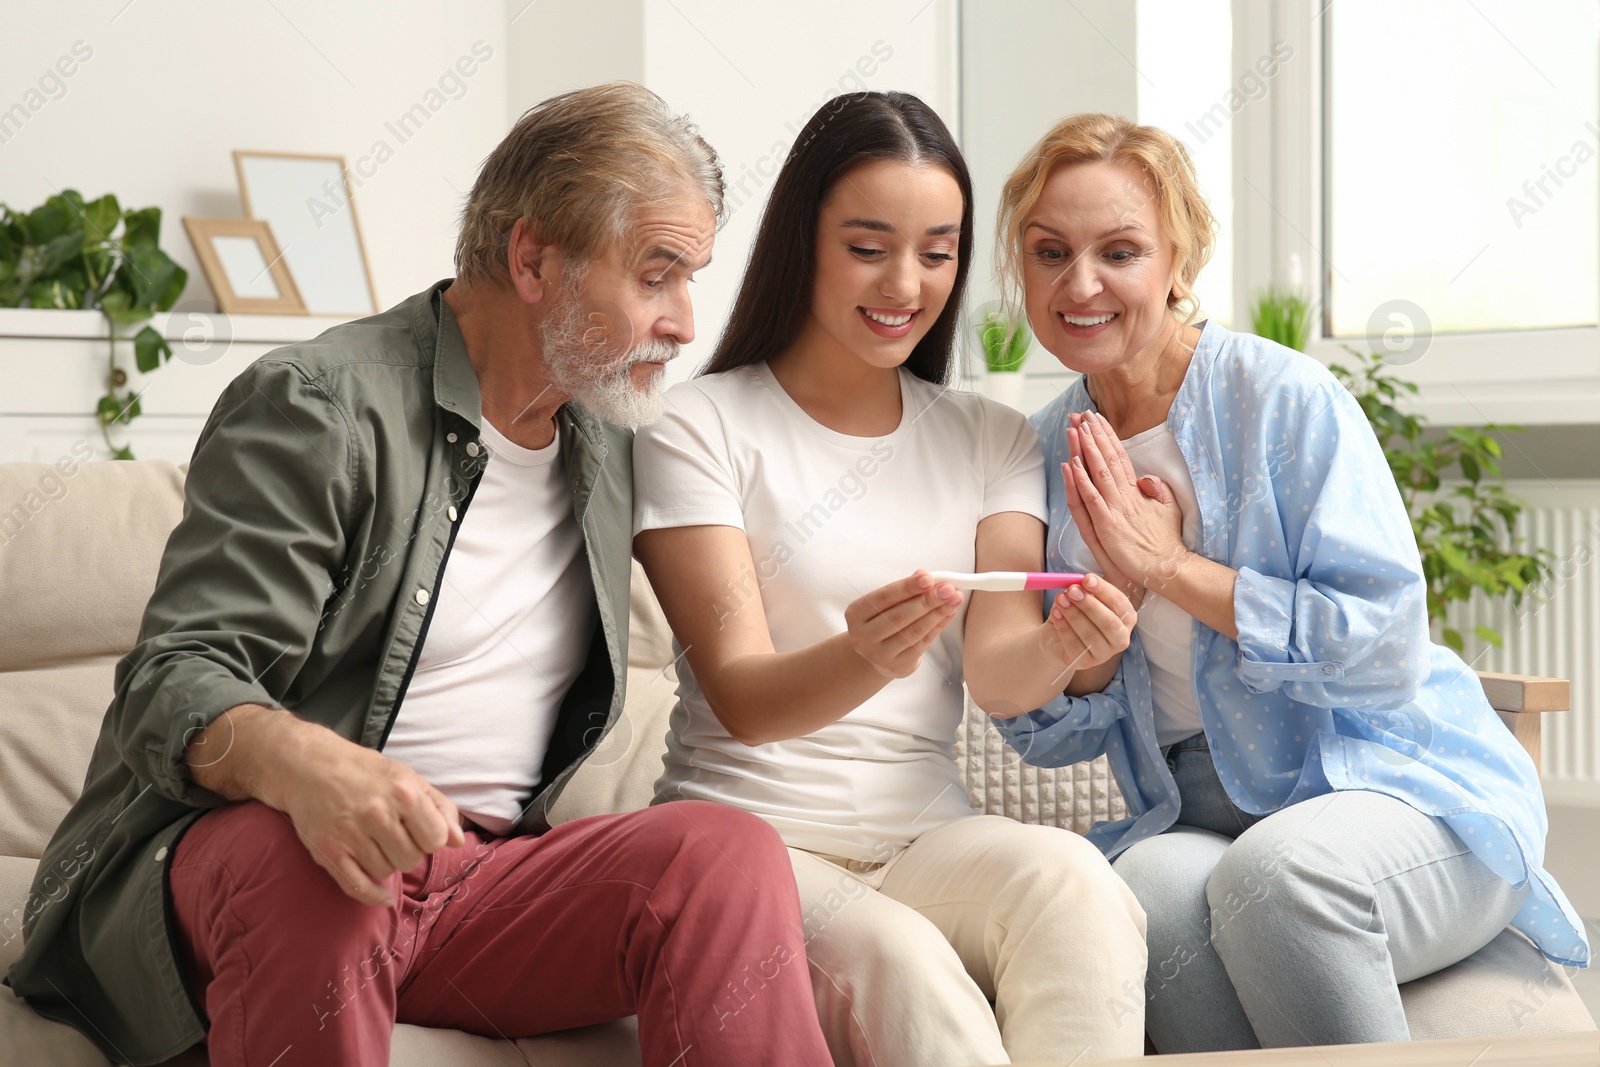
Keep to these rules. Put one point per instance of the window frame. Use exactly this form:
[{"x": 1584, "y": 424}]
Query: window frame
[{"x": 1281, "y": 178}]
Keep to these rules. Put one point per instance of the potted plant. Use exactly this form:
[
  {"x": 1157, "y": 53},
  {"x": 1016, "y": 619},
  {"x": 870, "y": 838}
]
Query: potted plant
[
  {"x": 1453, "y": 488},
  {"x": 71, "y": 254},
  {"x": 1004, "y": 342}
]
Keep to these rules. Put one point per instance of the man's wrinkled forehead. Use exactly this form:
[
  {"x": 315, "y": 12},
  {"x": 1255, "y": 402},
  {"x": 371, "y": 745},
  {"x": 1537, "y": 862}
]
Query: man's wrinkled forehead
[{"x": 671, "y": 235}]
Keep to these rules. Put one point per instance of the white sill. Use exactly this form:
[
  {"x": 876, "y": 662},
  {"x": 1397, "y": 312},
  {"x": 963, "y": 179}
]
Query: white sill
[{"x": 91, "y": 325}]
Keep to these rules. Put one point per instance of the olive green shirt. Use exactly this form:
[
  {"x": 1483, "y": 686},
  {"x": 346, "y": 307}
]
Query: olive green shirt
[{"x": 322, "y": 501}]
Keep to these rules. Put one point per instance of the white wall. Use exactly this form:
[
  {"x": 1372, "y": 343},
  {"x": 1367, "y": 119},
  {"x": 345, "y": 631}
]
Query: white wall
[
  {"x": 170, "y": 88},
  {"x": 752, "y": 75},
  {"x": 1025, "y": 65},
  {"x": 567, "y": 45}
]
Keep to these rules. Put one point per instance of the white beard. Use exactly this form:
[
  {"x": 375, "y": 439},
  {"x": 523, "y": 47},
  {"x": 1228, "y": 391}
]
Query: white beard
[{"x": 595, "y": 368}]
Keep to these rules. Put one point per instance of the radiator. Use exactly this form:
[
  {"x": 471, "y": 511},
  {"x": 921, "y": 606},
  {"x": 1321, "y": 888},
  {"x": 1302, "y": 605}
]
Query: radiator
[{"x": 1555, "y": 633}]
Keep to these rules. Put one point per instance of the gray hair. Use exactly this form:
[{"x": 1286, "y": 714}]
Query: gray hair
[{"x": 580, "y": 166}]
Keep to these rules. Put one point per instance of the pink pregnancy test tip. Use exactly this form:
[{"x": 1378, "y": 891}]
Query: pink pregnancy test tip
[{"x": 1040, "y": 580}]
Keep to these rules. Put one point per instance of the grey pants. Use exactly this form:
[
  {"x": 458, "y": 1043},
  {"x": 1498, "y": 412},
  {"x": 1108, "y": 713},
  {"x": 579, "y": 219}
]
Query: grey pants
[{"x": 1296, "y": 928}]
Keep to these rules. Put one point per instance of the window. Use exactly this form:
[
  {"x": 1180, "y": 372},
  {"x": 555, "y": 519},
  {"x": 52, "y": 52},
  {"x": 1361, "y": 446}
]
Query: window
[
  {"x": 1185, "y": 87},
  {"x": 1462, "y": 158}
]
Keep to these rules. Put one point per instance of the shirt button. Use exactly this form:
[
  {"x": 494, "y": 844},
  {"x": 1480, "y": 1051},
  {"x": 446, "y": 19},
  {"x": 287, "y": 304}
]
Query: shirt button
[
  {"x": 450, "y": 437},
  {"x": 422, "y": 596},
  {"x": 161, "y": 853},
  {"x": 1327, "y": 670},
  {"x": 472, "y": 448},
  {"x": 451, "y": 511}
]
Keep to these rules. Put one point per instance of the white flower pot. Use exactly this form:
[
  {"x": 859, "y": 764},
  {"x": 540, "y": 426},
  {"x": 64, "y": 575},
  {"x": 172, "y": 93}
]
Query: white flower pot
[{"x": 1005, "y": 387}]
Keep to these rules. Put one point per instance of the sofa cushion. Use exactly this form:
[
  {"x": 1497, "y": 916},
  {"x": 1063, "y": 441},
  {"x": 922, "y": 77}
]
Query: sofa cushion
[
  {"x": 999, "y": 783},
  {"x": 1506, "y": 987},
  {"x": 29, "y": 1037},
  {"x": 613, "y": 1044},
  {"x": 78, "y": 556},
  {"x": 649, "y": 636},
  {"x": 26, "y": 1036},
  {"x": 620, "y": 774},
  {"x": 53, "y": 716}
]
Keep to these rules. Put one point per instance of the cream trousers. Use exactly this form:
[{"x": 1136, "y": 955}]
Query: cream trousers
[{"x": 907, "y": 956}]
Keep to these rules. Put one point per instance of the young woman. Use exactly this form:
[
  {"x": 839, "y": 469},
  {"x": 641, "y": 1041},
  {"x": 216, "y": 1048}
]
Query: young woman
[
  {"x": 788, "y": 508},
  {"x": 1323, "y": 803}
]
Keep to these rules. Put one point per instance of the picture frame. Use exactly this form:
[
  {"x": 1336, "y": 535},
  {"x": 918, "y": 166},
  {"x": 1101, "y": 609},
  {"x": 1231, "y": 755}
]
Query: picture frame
[
  {"x": 310, "y": 204},
  {"x": 244, "y": 266}
]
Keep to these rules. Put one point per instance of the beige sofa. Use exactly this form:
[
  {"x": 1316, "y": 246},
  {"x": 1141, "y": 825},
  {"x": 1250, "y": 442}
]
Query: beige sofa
[{"x": 78, "y": 557}]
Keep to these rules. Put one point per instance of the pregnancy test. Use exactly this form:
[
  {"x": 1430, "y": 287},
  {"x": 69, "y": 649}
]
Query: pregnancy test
[{"x": 1006, "y": 581}]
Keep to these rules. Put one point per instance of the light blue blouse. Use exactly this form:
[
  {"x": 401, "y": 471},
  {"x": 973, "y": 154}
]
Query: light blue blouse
[{"x": 1334, "y": 682}]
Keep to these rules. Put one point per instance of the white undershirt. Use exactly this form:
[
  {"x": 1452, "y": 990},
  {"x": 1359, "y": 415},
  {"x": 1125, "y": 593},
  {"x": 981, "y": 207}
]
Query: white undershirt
[
  {"x": 509, "y": 634},
  {"x": 829, "y": 517},
  {"x": 1165, "y": 630}
]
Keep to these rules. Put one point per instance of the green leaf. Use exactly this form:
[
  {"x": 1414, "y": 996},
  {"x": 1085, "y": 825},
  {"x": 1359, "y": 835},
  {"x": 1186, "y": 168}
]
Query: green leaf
[
  {"x": 123, "y": 453},
  {"x": 114, "y": 302},
  {"x": 148, "y": 349},
  {"x": 70, "y": 201},
  {"x": 1021, "y": 341},
  {"x": 1453, "y": 639},
  {"x": 52, "y": 294},
  {"x": 107, "y": 410},
  {"x": 45, "y": 223},
  {"x": 97, "y": 263},
  {"x": 1469, "y": 468},
  {"x": 117, "y": 303},
  {"x": 100, "y": 218},
  {"x": 59, "y": 250},
  {"x": 1489, "y": 634},
  {"x": 142, "y": 228},
  {"x": 151, "y": 272},
  {"x": 174, "y": 290}
]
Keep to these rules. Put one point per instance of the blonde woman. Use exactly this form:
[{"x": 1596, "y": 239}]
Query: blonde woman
[{"x": 1322, "y": 804}]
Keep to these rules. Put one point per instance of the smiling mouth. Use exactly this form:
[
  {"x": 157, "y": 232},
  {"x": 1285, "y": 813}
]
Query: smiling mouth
[
  {"x": 890, "y": 323},
  {"x": 1087, "y": 320},
  {"x": 892, "y": 319}
]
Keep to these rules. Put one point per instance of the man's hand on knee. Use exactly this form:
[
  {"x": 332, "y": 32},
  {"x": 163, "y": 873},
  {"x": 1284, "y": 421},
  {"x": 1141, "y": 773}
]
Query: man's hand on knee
[{"x": 361, "y": 815}]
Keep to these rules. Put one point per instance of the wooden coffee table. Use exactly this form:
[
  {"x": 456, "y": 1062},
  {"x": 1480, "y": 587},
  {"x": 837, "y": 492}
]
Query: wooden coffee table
[{"x": 1546, "y": 1050}]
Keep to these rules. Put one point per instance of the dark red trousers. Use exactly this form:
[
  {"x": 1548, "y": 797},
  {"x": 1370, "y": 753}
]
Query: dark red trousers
[{"x": 684, "y": 913}]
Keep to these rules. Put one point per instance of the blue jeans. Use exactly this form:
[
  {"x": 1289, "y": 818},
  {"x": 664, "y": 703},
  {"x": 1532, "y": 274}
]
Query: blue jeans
[{"x": 1297, "y": 928}]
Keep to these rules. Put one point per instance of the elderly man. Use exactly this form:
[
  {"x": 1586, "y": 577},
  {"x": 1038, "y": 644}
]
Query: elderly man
[{"x": 390, "y": 625}]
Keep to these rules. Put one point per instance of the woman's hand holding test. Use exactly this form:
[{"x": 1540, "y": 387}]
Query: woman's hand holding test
[{"x": 892, "y": 626}]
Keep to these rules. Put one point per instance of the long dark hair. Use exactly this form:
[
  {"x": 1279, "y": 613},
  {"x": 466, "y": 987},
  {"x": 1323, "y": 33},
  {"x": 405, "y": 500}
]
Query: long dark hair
[{"x": 775, "y": 296}]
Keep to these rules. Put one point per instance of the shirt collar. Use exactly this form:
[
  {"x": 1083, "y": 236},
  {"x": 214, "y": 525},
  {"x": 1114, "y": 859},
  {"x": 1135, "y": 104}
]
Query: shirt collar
[
  {"x": 455, "y": 382},
  {"x": 1212, "y": 337}
]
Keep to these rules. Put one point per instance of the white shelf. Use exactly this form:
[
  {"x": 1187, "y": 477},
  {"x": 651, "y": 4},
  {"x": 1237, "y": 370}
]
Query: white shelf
[{"x": 91, "y": 325}]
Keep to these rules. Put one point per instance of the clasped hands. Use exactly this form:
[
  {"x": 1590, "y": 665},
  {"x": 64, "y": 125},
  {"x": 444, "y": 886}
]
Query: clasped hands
[{"x": 1134, "y": 529}]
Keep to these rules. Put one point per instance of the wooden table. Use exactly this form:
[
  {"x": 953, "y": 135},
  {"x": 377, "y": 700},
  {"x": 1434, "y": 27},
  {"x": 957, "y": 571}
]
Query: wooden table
[{"x": 1545, "y": 1050}]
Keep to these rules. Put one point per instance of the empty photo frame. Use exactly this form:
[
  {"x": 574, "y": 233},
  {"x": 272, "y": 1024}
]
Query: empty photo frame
[
  {"x": 307, "y": 200},
  {"x": 244, "y": 267}
]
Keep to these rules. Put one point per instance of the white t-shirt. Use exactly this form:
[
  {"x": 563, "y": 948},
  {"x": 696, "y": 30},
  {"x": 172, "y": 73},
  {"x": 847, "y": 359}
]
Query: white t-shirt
[
  {"x": 509, "y": 634},
  {"x": 830, "y": 517},
  {"x": 1165, "y": 630}
]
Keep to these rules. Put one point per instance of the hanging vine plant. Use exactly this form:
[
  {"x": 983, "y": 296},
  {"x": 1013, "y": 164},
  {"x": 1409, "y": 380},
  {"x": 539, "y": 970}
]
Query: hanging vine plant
[{"x": 71, "y": 254}]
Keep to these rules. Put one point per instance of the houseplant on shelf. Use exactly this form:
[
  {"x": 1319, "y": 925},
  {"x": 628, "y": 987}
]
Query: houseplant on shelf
[
  {"x": 1464, "y": 531},
  {"x": 71, "y": 254},
  {"x": 1004, "y": 342}
]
